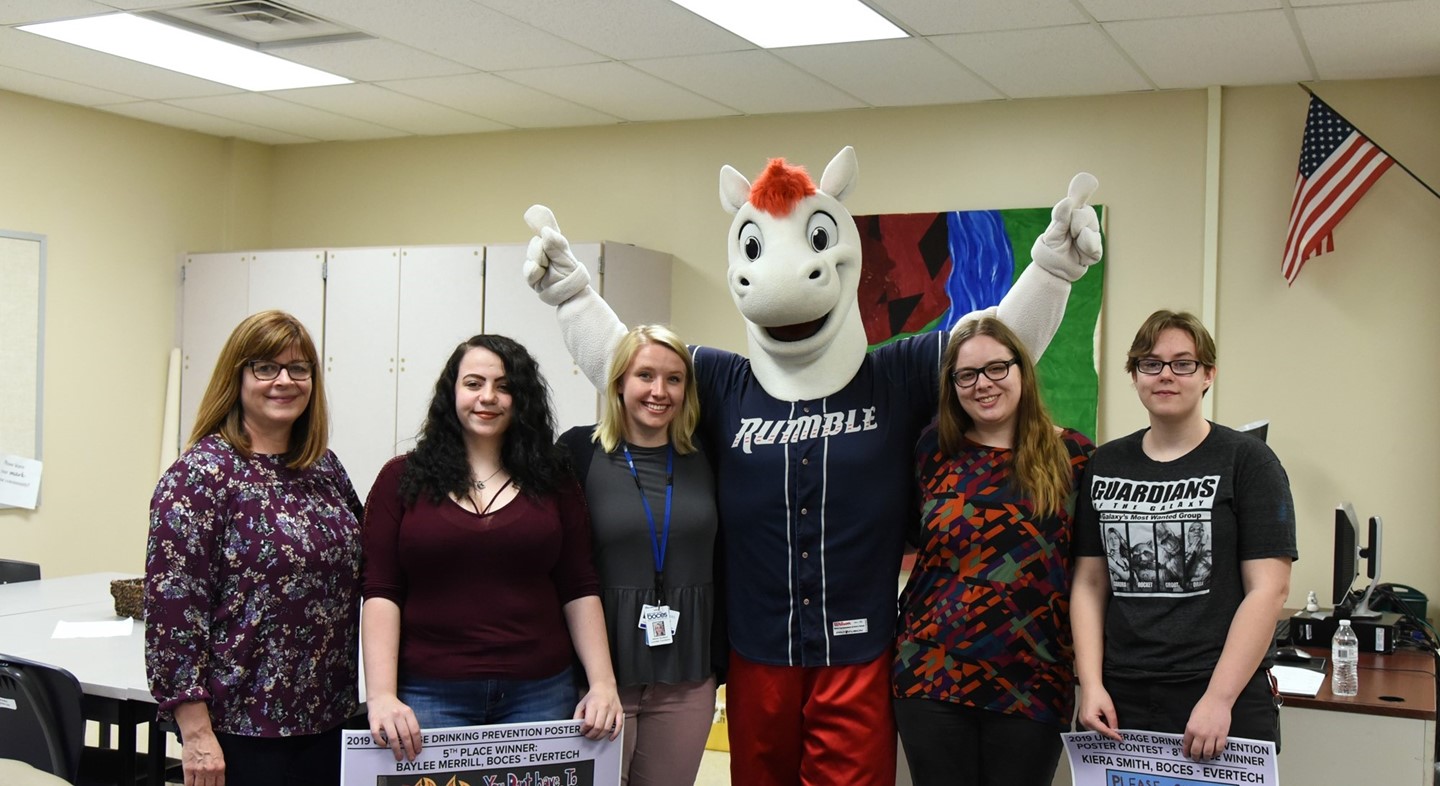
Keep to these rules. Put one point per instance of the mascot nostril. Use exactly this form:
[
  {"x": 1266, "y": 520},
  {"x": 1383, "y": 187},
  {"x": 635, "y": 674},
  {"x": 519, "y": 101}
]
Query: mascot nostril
[{"x": 813, "y": 439}]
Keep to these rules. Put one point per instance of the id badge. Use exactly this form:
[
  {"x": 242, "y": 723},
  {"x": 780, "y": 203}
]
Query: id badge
[{"x": 658, "y": 622}]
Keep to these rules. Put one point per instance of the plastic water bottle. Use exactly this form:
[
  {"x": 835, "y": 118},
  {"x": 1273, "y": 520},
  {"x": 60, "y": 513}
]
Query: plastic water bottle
[{"x": 1344, "y": 661}]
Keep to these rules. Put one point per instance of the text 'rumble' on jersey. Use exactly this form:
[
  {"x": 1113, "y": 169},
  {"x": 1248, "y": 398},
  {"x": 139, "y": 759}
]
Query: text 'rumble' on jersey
[{"x": 814, "y": 500}]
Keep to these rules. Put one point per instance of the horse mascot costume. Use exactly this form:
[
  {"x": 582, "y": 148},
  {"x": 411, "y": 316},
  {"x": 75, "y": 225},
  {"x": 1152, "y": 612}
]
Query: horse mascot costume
[{"x": 812, "y": 438}]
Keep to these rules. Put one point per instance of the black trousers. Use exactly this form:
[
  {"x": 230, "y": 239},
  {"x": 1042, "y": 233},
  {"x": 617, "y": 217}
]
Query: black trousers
[
  {"x": 955, "y": 745},
  {"x": 1166, "y": 706},
  {"x": 305, "y": 760}
]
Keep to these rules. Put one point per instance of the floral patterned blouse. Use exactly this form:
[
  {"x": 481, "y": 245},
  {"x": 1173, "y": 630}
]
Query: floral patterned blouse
[{"x": 252, "y": 591}]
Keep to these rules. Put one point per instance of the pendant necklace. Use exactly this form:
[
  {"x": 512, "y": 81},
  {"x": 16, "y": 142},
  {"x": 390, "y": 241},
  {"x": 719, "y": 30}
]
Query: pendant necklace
[{"x": 480, "y": 484}]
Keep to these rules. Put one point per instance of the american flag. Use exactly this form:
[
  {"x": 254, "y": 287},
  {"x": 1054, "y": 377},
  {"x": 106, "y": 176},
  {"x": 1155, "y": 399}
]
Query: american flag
[{"x": 1337, "y": 166}]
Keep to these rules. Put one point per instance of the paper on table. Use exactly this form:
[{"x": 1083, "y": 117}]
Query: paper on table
[
  {"x": 93, "y": 630},
  {"x": 1298, "y": 681}
]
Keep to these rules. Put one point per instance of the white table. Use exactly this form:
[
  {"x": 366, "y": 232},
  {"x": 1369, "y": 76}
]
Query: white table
[
  {"x": 111, "y": 670},
  {"x": 27, "y": 596}
]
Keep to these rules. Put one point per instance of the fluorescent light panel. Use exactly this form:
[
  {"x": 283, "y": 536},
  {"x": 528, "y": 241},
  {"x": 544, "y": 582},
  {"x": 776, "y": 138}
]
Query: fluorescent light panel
[
  {"x": 169, "y": 47},
  {"x": 776, "y": 23}
]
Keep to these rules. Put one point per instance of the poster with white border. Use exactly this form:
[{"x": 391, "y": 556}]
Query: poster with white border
[
  {"x": 548, "y": 753},
  {"x": 1148, "y": 758}
]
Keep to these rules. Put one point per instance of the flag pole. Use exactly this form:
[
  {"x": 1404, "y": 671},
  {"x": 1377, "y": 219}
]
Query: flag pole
[{"x": 1423, "y": 184}]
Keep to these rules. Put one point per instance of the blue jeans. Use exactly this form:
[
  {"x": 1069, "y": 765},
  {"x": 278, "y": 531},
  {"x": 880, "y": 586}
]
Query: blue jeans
[{"x": 441, "y": 703}]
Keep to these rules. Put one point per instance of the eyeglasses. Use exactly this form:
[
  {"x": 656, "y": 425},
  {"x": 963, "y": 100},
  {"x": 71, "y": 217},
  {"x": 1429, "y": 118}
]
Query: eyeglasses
[
  {"x": 1180, "y": 368},
  {"x": 266, "y": 370},
  {"x": 966, "y": 377}
]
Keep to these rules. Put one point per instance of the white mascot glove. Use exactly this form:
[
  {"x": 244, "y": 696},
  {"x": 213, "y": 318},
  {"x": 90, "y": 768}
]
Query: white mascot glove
[
  {"x": 550, "y": 269},
  {"x": 1072, "y": 241}
]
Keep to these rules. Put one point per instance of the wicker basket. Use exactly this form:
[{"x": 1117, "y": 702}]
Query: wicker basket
[{"x": 129, "y": 597}]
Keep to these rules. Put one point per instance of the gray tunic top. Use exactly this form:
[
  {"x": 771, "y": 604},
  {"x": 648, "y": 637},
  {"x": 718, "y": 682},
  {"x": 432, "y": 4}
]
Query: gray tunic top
[{"x": 623, "y": 555}]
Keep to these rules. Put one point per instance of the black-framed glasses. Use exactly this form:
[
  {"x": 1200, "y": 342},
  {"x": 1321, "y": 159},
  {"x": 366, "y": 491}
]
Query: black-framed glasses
[
  {"x": 967, "y": 377},
  {"x": 266, "y": 370},
  {"x": 1180, "y": 368}
]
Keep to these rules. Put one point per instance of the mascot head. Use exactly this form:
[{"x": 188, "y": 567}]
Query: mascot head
[{"x": 794, "y": 269}]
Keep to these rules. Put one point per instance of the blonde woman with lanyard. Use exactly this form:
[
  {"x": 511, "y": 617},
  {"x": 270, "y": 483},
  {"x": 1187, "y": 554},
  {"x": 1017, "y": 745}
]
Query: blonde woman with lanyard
[{"x": 655, "y": 555}]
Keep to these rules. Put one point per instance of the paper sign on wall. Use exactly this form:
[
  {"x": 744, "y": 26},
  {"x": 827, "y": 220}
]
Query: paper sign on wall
[{"x": 19, "y": 482}]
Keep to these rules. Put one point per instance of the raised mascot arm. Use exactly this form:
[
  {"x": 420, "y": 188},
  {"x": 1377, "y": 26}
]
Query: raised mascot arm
[
  {"x": 1035, "y": 305},
  {"x": 588, "y": 324}
]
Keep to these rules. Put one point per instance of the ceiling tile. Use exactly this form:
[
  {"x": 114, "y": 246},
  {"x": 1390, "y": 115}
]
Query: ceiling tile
[
  {"x": 939, "y": 17},
  {"x": 903, "y": 72},
  {"x": 371, "y": 60},
  {"x": 1253, "y": 48},
  {"x": 609, "y": 26},
  {"x": 150, "y": 5},
  {"x": 502, "y": 101},
  {"x": 167, "y": 115},
  {"x": 18, "y": 81},
  {"x": 1053, "y": 61},
  {"x": 1341, "y": 39},
  {"x": 1303, "y": 3},
  {"x": 1114, "y": 10},
  {"x": 270, "y": 112},
  {"x": 20, "y": 12},
  {"x": 388, "y": 108},
  {"x": 622, "y": 91},
  {"x": 754, "y": 82},
  {"x": 458, "y": 30}
]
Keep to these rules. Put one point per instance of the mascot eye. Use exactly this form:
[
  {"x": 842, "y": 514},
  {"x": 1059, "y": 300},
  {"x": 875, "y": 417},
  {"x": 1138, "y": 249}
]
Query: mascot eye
[
  {"x": 750, "y": 241},
  {"x": 822, "y": 231}
]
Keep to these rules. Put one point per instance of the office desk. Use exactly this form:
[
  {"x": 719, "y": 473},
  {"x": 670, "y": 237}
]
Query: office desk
[
  {"x": 1384, "y": 735},
  {"x": 111, "y": 670}
]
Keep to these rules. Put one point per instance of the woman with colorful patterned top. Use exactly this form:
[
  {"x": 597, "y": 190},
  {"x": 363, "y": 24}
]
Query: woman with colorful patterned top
[
  {"x": 983, "y": 678},
  {"x": 252, "y": 576},
  {"x": 480, "y": 593}
]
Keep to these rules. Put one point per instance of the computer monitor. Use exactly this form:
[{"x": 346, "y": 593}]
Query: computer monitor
[
  {"x": 1348, "y": 553},
  {"x": 1258, "y": 429}
]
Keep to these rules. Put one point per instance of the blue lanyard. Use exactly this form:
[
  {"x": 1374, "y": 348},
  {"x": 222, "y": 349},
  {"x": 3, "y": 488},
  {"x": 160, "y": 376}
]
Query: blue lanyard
[{"x": 661, "y": 540}]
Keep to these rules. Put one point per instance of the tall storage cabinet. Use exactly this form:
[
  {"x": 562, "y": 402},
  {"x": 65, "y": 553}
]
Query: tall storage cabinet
[
  {"x": 634, "y": 281},
  {"x": 392, "y": 317},
  {"x": 386, "y": 319},
  {"x": 219, "y": 290}
]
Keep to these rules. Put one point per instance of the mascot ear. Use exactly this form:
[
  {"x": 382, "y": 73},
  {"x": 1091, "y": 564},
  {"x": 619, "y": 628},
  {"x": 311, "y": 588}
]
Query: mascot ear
[
  {"x": 734, "y": 189},
  {"x": 840, "y": 174}
]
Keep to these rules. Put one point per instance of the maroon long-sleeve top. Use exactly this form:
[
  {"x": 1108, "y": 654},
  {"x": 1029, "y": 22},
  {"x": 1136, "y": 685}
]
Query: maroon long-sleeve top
[{"x": 480, "y": 597}]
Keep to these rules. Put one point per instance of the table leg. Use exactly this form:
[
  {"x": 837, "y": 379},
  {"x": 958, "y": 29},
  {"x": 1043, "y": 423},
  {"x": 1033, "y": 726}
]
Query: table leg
[
  {"x": 155, "y": 760},
  {"x": 128, "y": 747}
]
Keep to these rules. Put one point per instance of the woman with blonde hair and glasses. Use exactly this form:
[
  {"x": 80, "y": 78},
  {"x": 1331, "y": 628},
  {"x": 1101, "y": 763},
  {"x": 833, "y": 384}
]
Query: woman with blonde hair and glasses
[
  {"x": 651, "y": 494},
  {"x": 252, "y": 576},
  {"x": 982, "y": 678}
]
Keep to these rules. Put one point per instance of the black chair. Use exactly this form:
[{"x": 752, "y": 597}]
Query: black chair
[
  {"x": 13, "y": 570},
  {"x": 45, "y": 727}
]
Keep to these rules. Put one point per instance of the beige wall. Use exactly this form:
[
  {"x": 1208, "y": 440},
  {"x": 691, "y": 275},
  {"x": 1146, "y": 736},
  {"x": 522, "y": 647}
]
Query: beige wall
[
  {"x": 1289, "y": 354},
  {"x": 118, "y": 201}
]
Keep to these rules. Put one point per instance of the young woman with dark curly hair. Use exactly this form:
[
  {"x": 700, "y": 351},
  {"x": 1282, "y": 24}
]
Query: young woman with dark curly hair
[{"x": 477, "y": 546}]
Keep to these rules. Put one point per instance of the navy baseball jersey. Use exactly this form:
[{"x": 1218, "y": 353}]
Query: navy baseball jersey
[{"x": 814, "y": 499}]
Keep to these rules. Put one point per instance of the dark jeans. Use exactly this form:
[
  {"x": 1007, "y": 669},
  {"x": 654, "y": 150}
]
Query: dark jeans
[
  {"x": 438, "y": 703},
  {"x": 954, "y": 745},
  {"x": 302, "y": 760},
  {"x": 1166, "y": 706}
]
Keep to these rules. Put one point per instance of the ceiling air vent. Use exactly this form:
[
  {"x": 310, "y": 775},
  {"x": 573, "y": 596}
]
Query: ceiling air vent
[{"x": 258, "y": 24}]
